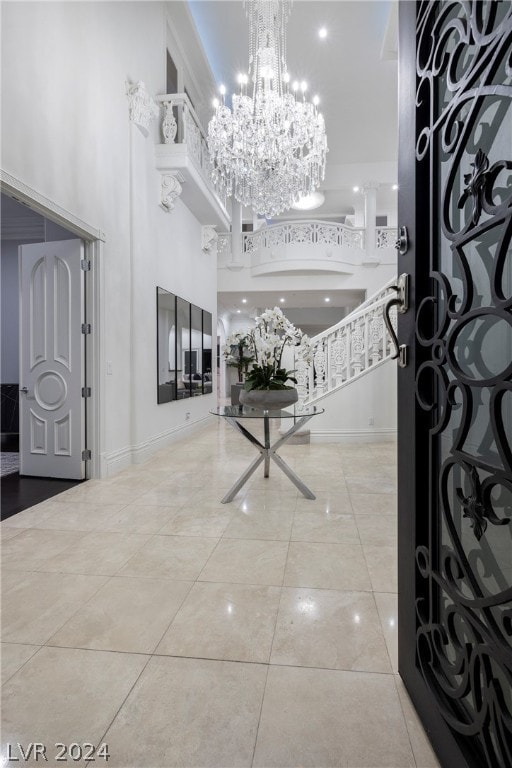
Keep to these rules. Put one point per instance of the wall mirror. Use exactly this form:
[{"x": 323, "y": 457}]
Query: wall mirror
[{"x": 184, "y": 348}]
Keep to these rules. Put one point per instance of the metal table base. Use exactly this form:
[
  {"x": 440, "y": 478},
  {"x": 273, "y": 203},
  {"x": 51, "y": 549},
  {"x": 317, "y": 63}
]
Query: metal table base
[{"x": 268, "y": 452}]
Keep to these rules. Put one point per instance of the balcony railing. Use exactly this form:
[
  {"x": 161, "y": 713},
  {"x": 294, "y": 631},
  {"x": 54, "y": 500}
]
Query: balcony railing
[
  {"x": 304, "y": 232},
  {"x": 308, "y": 245},
  {"x": 181, "y": 127}
]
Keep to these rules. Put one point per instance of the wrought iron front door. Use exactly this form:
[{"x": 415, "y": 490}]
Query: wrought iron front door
[{"x": 455, "y": 383}]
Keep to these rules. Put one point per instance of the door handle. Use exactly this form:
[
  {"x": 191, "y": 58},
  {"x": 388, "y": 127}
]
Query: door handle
[
  {"x": 402, "y": 244},
  {"x": 401, "y": 302},
  {"x": 25, "y": 390}
]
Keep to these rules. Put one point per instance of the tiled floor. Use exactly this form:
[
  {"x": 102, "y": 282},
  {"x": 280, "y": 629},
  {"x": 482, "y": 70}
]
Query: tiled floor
[{"x": 142, "y": 613}]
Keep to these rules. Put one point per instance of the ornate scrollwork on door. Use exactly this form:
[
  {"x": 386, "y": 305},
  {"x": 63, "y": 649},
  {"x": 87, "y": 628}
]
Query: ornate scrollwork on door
[{"x": 464, "y": 382}]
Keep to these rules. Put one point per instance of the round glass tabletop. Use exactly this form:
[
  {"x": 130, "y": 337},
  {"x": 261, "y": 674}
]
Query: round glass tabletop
[{"x": 246, "y": 412}]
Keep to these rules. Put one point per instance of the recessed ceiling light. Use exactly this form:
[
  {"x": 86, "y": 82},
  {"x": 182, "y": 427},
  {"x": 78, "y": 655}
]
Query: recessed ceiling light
[
  {"x": 308, "y": 202},
  {"x": 355, "y": 189},
  {"x": 244, "y": 301},
  {"x": 394, "y": 187},
  {"x": 281, "y": 300},
  {"x": 327, "y": 298},
  {"x": 322, "y": 33},
  {"x": 238, "y": 311}
]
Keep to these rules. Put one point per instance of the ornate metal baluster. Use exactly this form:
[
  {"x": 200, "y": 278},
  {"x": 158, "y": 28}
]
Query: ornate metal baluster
[
  {"x": 357, "y": 345},
  {"x": 320, "y": 366}
]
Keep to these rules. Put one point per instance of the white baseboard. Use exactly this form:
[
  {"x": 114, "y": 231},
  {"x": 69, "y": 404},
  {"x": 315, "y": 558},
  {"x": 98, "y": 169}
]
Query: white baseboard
[
  {"x": 116, "y": 461},
  {"x": 385, "y": 435}
]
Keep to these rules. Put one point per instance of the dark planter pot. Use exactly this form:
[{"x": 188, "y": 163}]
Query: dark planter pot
[
  {"x": 269, "y": 399},
  {"x": 235, "y": 393}
]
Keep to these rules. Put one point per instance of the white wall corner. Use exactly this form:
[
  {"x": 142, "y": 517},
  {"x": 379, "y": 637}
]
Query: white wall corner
[
  {"x": 142, "y": 108},
  {"x": 170, "y": 189},
  {"x": 209, "y": 238}
]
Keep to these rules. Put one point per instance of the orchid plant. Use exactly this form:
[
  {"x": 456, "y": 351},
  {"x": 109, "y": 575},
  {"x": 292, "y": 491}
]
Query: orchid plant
[
  {"x": 267, "y": 342},
  {"x": 236, "y": 352}
]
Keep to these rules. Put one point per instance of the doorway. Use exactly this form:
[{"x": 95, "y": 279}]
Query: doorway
[{"x": 24, "y": 231}]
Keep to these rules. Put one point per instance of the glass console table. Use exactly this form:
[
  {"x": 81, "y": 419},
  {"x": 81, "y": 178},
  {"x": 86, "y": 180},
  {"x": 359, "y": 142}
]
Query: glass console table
[{"x": 297, "y": 417}]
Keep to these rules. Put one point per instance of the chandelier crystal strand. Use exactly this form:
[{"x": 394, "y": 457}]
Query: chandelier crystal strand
[{"x": 269, "y": 149}]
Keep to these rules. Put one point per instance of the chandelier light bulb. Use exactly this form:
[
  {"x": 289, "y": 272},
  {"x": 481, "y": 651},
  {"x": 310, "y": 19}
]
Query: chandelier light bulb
[
  {"x": 316, "y": 101},
  {"x": 215, "y": 103},
  {"x": 222, "y": 90},
  {"x": 303, "y": 86},
  {"x": 295, "y": 86},
  {"x": 355, "y": 189},
  {"x": 322, "y": 33},
  {"x": 286, "y": 77}
]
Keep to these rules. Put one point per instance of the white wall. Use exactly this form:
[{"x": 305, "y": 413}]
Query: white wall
[
  {"x": 363, "y": 410},
  {"x": 66, "y": 134}
]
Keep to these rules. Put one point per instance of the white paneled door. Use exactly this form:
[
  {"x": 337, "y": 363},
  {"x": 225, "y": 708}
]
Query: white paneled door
[{"x": 52, "y": 409}]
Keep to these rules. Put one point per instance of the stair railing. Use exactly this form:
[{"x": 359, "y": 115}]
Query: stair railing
[{"x": 348, "y": 350}]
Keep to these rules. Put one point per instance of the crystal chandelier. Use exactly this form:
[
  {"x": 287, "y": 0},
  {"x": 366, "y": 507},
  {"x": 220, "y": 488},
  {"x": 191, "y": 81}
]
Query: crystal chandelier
[{"x": 269, "y": 149}]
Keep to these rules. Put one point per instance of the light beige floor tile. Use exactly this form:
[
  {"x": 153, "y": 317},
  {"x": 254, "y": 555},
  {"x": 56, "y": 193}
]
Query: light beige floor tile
[
  {"x": 137, "y": 518},
  {"x": 124, "y": 615},
  {"x": 179, "y": 558},
  {"x": 7, "y": 533},
  {"x": 198, "y": 521},
  {"x": 326, "y": 501},
  {"x": 257, "y": 500},
  {"x": 39, "y": 604},
  {"x": 33, "y": 516},
  {"x": 13, "y": 656},
  {"x": 382, "y": 566},
  {"x": 67, "y": 695},
  {"x": 331, "y": 629},
  {"x": 379, "y": 530},
  {"x": 34, "y": 549},
  {"x": 387, "y": 606},
  {"x": 324, "y": 527},
  {"x": 260, "y": 524},
  {"x": 349, "y": 450},
  {"x": 368, "y": 467},
  {"x": 9, "y": 579},
  {"x": 240, "y": 561},
  {"x": 326, "y": 566},
  {"x": 374, "y": 503},
  {"x": 322, "y": 485},
  {"x": 107, "y": 493},
  {"x": 78, "y": 516},
  {"x": 421, "y": 747},
  {"x": 166, "y": 496},
  {"x": 316, "y": 717},
  {"x": 371, "y": 484},
  {"x": 98, "y": 552},
  {"x": 224, "y": 621},
  {"x": 189, "y": 712}
]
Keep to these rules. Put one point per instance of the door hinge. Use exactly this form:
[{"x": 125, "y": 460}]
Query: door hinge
[
  {"x": 86, "y": 392},
  {"x": 86, "y": 455},
  {"x": 85, "y": 265},
  {"x": 86, "y": 328}
]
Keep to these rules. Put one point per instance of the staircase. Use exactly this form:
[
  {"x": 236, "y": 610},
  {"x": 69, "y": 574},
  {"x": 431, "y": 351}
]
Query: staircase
[{"x": 347, "y": 351}]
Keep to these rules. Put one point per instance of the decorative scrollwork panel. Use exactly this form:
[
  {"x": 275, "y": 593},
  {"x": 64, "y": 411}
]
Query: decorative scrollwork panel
[{"x": 464, "y": 385}]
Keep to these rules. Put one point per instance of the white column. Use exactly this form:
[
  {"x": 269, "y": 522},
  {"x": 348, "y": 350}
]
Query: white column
[
  {"x": 369, "y": 192},
  {"x": 236, "y": 235}
]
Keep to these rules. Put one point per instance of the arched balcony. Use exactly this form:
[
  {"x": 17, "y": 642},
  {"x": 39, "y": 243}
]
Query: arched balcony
[{"x": 308, "y": 247}]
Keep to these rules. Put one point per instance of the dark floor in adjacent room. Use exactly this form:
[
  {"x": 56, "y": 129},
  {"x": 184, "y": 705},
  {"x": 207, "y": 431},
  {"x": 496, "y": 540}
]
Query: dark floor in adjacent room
[{"x": 19, "y": 493}]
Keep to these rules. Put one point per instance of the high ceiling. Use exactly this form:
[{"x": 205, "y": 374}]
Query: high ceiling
[{"x": 353, "y": 70}]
